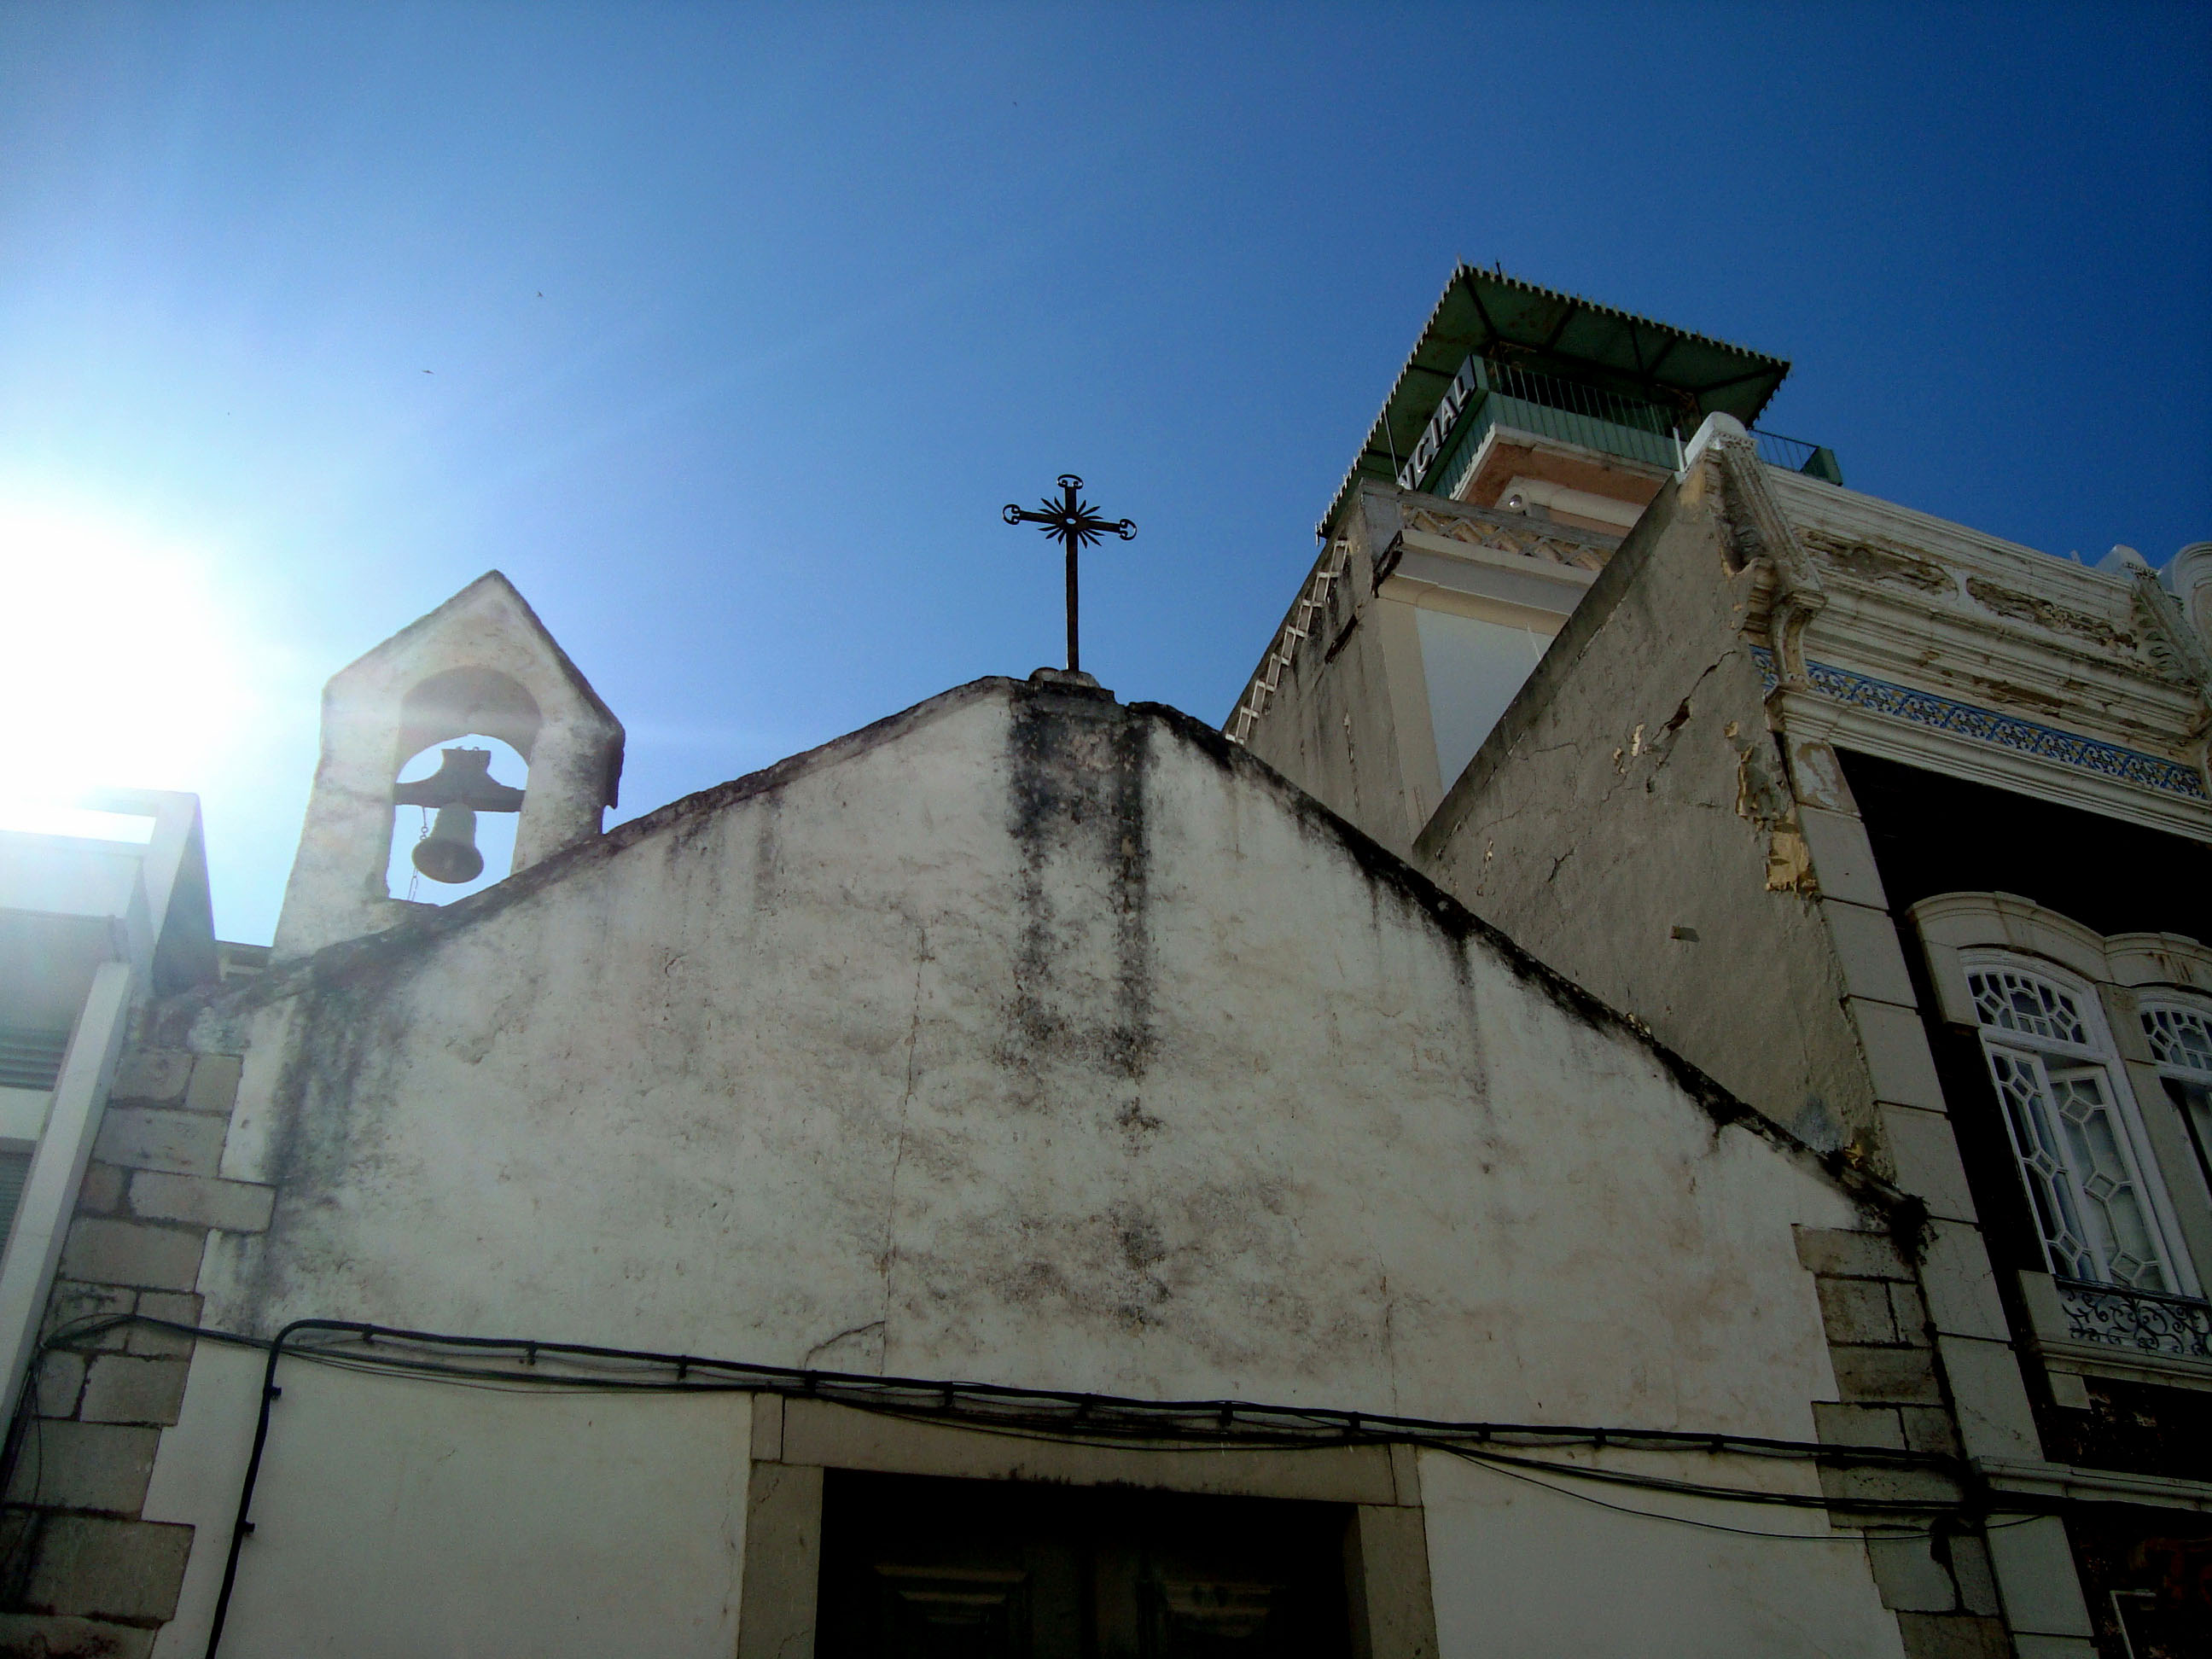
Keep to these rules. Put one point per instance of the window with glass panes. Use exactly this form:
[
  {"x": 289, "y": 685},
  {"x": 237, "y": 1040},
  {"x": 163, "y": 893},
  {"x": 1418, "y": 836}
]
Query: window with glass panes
[
  {"x": 2058, "y": 1082},
  {"x": 2180, "y": 1035}
]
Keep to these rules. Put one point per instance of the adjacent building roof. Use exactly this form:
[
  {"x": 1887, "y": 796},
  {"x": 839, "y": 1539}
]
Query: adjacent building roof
[{"x": 1557, "y": 334}]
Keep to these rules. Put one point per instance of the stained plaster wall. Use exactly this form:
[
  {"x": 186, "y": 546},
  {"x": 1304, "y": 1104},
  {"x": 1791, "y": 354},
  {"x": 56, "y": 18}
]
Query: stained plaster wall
[
  {"x": 1024, "y": 1038},
  {"x": 1629, "y": 820}
]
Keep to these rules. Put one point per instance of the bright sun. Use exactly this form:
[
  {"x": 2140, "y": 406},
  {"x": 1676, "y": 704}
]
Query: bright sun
[{"x": 121, "y": 666}]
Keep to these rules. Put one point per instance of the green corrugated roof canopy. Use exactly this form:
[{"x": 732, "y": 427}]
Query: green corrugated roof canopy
[{"x": 1552, "y": 333}]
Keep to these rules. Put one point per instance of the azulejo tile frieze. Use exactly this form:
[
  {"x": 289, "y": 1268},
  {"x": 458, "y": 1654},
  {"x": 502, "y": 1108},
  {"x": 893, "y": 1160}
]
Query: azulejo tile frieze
[{"x": 1964, "y": 719}]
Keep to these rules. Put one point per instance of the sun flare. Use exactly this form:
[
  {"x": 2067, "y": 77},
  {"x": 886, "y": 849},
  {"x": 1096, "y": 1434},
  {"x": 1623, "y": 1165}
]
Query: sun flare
[{"x": 122, "y": 665}]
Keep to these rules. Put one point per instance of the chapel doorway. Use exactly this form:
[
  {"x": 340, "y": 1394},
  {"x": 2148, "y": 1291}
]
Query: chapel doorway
[{"x": 918, "y": 1568}]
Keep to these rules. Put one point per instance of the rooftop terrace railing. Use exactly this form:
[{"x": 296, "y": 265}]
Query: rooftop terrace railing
[
  {"x": 1485, "y": 395},
  {"x": 1796, "y": 455}
]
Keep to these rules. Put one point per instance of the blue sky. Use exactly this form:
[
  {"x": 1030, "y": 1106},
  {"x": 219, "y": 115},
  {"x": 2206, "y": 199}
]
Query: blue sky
[{"x": 741, "y": 322}]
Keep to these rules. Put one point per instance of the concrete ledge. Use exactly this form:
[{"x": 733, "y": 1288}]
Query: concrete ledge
[
  {"x": 837, "y": 1437},
  {"x": 2095, "y": 1486}
]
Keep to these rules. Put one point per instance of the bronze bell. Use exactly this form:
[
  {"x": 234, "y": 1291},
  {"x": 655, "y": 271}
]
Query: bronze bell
[
  {"x": 462, "y": 787},
  {"x": 448, "y": 852}
]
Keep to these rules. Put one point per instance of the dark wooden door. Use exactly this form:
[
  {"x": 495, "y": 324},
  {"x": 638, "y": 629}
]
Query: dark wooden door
[{"x": 926, "y": 1569}]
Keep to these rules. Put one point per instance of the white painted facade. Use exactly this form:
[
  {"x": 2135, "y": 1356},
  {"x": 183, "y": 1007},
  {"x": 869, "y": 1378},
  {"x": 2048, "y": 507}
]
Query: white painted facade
[{"x": 1021, "y": 1038}]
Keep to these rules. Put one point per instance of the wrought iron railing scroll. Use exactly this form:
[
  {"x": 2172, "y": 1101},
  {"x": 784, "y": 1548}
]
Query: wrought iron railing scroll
[{"x": 2149, "y": 1322}]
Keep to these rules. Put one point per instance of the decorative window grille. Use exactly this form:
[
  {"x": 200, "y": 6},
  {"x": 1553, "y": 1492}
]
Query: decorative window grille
[
  {"x": 2180, "y": 1037},
  {"x": 2056, "y": 1079},
  {"x": 2014, "y": 1001}
]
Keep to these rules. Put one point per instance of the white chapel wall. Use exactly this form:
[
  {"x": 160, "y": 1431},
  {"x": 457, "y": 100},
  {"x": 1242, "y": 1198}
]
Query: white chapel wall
[
  {"x": 1522, "y": 1571},
  {"x": 1024, "y": 1039},
  {"x": 396, "y": 1517}
]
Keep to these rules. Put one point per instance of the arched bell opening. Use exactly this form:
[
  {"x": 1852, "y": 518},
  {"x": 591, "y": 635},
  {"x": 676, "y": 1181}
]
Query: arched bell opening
[
  {"x": 480, "y": 672},
  {"x": 457, "y": 807}
]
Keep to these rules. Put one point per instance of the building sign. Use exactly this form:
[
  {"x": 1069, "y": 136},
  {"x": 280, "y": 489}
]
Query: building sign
[{"x": 1462, "y": 391}]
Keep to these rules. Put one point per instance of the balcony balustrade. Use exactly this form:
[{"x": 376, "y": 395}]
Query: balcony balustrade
[{"x": 2146, "y": 1321}]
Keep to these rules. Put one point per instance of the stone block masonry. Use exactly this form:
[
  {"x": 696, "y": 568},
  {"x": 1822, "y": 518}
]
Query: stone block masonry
[
  {"x": 82, "y": 1574},
  {"x": 1891, "y": 1393}
]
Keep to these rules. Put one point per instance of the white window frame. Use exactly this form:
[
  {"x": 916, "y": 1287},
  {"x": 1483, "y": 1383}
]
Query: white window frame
[
  {"x": 2051, "y": 1059},
  {"x": 2194, "y": 1076}
]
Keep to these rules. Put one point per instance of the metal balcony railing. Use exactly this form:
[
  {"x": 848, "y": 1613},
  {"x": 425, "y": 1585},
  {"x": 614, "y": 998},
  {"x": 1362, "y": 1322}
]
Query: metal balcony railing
[
  {"x": 1493, "y": 395},
  {"x": 1485, "y": 395},
  {"x": 1796, "y": 455},
  {"x": 2148, "y": 1322}
]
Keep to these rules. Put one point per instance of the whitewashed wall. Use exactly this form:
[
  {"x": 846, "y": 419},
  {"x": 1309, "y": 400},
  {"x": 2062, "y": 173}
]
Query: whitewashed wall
[{"x": 1523, "y": 1571}]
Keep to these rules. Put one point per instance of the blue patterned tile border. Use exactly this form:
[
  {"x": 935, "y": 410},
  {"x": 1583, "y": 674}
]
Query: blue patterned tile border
[{"x": 1902, "y": 703}]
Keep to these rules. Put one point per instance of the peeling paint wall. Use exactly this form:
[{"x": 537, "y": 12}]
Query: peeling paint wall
[
  {"x": 1022, "y": 1037},
  {"x": 1631, "y": 821}
]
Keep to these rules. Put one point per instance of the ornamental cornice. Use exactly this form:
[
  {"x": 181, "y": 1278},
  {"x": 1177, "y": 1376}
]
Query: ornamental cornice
[
  {"x": 1811, "y": 716},
  {"x": 2171, "y": 642},
  {"x": 2014, "y": 666},
  {"x": 2013, "y": 672},
  {"x": 1910, "y": 585},
  {"x": 1508, "y": 532},
  {"x": 1847, "y": 514},
  {"x": 1929, "y": 603},
  {"x": 2092, "y": 1486},
  {"x": 1950, "y": 716}
]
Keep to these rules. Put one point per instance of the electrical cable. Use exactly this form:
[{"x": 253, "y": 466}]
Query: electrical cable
[
  {"x": 24, "y": 1426},
  {"x": 1500, "y": 1464},
  {"x": 514, "y": 1365},
  {"x": 1885, "y": 1535},
  {"x": 1092, "y": 1416}
]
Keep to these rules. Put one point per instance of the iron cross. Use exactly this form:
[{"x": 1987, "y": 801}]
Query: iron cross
[{"x": 1071, "y": 519}]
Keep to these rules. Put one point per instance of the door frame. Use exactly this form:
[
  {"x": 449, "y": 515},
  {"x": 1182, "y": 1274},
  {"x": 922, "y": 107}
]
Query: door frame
[{"x": 794, "y": 1441}]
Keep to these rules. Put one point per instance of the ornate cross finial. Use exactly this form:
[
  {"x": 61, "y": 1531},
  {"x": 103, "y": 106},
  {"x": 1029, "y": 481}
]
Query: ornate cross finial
[{"x": 1072, "y": 520}]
